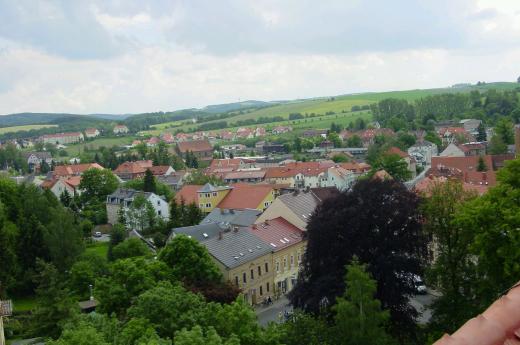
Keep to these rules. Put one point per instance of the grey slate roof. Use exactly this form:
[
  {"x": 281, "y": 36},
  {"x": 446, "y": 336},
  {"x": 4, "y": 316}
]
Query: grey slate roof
[
  {"x": 38, "y": 154},
  {"x": 236, "y": 248},
  {"x": 242, "y": 217},
  {"x": 301, "y": 204},
  {"x": 201, "y": 232},
  {"x": 208, "y": 188}
]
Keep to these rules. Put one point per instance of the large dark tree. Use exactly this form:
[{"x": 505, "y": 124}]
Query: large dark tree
[{"x": 378, "y": 222}]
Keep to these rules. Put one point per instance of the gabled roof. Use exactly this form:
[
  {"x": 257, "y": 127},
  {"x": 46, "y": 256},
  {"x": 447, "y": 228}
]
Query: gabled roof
[
  {"x": 245, "y": 195},
  {"x": 240, "y": 217},
  {"x": 278, "y": 232},
  {"x": 136, "y": 167},
  {"x": 160, "y": 169},
  {"x": 302, "y": 204},
  {"x": 188, "y": 193},
  {"x": 74, "y": 169},
  {"x": 194, "y": 146},
  {"x": 238, "y": 175},
  {"x": 236, "y": 248},
  {"x": 38, "y": 154},
  {"x": 397, "y": 151},
  {"x": 201, "y": 232}
]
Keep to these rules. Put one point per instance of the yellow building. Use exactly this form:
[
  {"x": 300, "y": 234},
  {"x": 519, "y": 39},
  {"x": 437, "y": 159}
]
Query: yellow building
[
  {"x": 288, "y": 246},
  {"x": 245, "y": 261},
  {"x": 210, "y": 196}
]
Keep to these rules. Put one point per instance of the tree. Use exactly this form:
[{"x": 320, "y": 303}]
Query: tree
[
  {"x": 141, "y": 214},
  {"x": 82, "y": 334},
  {"x": 130, "y": 247},
  {"x": 394, "y": 165},
  {"x": 497, "y": 145},
  {"x": 196, "y": 336},
  {"x": 8, "y": 255},
  {"x": 160, "y": 188},
  {"x": 449, "y": 253},
  {"x": 193, "y": 215},
  {"x": 377, "y": 221},
  {"x": 84, "y": 273},
  {"x": 358, "y": 315},
  {"x": 190, "y": 261},
  {"x": 354, "y": 141},
  {"x": 334, "y": 138},
  {"x": 149, "y": 182},
  {"x": 481, "y": 164},
  {"x": 65, "y": 198},
  {"x": 504, "y": 130},
  {"x": 117, "y": 235},
  {"x": 481, "y": 135},
  {"x": 97, "y": 184}
]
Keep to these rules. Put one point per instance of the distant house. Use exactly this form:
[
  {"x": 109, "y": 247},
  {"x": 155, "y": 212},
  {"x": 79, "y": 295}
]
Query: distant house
[
  {"x": 451, "y": 134},
  {"x": 74, "y": 169},
  {"x": 58, "y": 186},
  {"x": 174, "y": 180},
  {"x": 299, "y": 174},
  {"x": 340, "y": 178},
  {"x": 281, "y": 129},
  {"x": 91, "y": 133},
  {"x": 273, "y": 148},
  {"x": 471, "y": 125},
  {"x": 202, "y": 149},
  {"x": 152, "y": 142},
  {"x": 120, "y": 129},
  {"x": 161, "y": 170},
  {"x": 369, "y": 135},
  {"x": 63, "y": 138},
  {"x": 410, "y": 161},
  {"x": 36, "y": 159},
  {"x": 167, "y": 137},
  {"x": 227, "y": 135},
  {"x": 463, "y": 150},
  {"x": 122, "y": 198},
  {"x": 260, "y": 132},
  {"x": 423, "y": 152},
  {"x": 251, "y": 176},
  {"x": 132, "y": 170},
  {"x": 315, "y": 133}
]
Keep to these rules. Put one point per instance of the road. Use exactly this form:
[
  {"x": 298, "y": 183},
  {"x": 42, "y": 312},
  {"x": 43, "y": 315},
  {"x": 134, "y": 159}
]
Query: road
[
  {"x": 271, "y": 313},
  {"x": 103, "y": 238}
]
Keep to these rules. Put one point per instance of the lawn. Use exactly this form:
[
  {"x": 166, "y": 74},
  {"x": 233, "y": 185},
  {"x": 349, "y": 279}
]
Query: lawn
[
  {"x": 22, "y": 304},
  {"x": 97, "y": 248},
  {"x": 14, "y": 129},
  {"x": 76, "y": 149}
]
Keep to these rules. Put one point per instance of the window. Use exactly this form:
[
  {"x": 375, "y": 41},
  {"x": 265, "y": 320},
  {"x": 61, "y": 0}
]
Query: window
[
  {"x": 236, "y": 280},
  {"x": 244, "y": 277},
  {"x": 267, "y": 287},
  {"x": 292, "y": 260},
  {"x": 299, "y": 257},
  {"x": 266, "y": 267},
  {"x": 158, "y": 203},
  {"x": 252, "y": 274},
  {"x": 277, "y": 266},
  {"x": 259, "y": 270},
  {"x": 208, "y": 205},
  {"x": 261, "y": 291},
  {"x": 214, "y": 193},
  {"x": 285, "y": 262},
  {"x": 159, "y": 212}
]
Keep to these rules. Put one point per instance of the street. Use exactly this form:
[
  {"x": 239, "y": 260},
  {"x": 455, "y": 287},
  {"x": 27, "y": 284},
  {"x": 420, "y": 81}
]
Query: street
[
  {"x": 270, "y": 313},
  {"x": 103, "y": 238}
]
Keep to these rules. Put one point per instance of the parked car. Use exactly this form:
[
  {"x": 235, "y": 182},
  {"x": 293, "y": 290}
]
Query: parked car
[
  {"x": 97, "y": 234},
  {"x": 420, "y": 287}
]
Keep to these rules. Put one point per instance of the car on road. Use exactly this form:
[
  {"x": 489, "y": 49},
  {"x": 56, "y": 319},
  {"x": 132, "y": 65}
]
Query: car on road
[
  {"x": 420, "y": 287},
  {"x": 97, "y": 234}
]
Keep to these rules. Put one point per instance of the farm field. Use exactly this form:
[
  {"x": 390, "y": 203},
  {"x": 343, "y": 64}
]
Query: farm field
[
  {"x": 335, "y": 104},
  {"x": 15, "y": 129}
]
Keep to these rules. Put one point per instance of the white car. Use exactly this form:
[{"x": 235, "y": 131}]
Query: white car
[
  {"x": 419, "y": 285},
  {"x": 97, "y": 234}
]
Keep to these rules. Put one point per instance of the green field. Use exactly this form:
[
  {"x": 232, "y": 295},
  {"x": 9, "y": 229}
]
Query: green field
[
  {"x": 323, "y": 105},
  {"x": 14, "y": 129},
  {"x": 76, "y": 149}
]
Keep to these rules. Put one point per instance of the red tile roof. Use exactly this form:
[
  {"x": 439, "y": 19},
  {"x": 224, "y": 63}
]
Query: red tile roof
[
  {"x": 499, "y": 324},
  {"x": 160, "y": 170},
  {"x": 425, "y": 185},
  {"x": 188, "y": 193},
  {"x": 194, "y": 146},
  {"x": 356, "y": 167},
  {"x": 278, "y": 232},
  {"x": 136, "y": 167},
  {"x": 74, "y": 169},
  {"x": 396, "y": 151},
  {"x": 293, "y": 169},
  {"x": 245, "y": 195}
]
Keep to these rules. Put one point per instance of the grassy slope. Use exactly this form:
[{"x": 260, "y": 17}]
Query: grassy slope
[
  {"x": 340, "y": 103},
  {"x": 14, "y": 129},
  {"x": 75, "y": 149}
]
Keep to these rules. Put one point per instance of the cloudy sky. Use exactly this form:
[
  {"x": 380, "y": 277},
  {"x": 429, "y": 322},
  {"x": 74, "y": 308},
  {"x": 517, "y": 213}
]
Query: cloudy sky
[{"x": 130, "y": 56}]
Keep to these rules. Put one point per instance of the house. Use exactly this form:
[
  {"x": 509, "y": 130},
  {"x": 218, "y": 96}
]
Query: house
[
  {"x": 245, "y": 261},
  {"x": 426, "y": 185},
  {"x": 260, "y": 132},
  {"x": 273, "y": 148},
  {"x": 227, "y": 135},
  {"x": 74, "y": 169},
  {"x": 120, "y": 129},
  {"x": 340, "y": 178},
  {"x": 299, "y": 174},
  {"x": 202, "y": 149},
  {"x": 245, "y": 133},
  {"x": 462, "y": 150},
  {"x": 288, "y": 247},
  {"x": 91, "y": 133},
  {"x": 175, "y": 180},
  {"x": 35, "y": 159},
  {"x": 422, "y": 152},
  {"x": 182, "y": 137},
  {"x": 252, "y": 176},
  {"x": 471, "y": 125},
  {"x": 133, "y": 170},
  {"x": 168, "y": 138},
  {"x": 369, "y": 135},
  {"x": 315, "y": 133},
  {"x": 297, "y": 207},
  {"x": 282, "y": 129},
  {"x": 356, "y": 168},
  {"x": 326, "y": 144},
  {"x": 410, "y": 161},
  {"x": 161, "y": 170},
  {"x": 63, "y": 138},
  {"x": 218, "y": 167},
  {"x": 233, "y": 217},
  {"x": 58, "y": 185},
  {"x": 252, "y": 196},
  {"x": 234, "y": 148},
  {"x": 122, "y": 198},
  {"x": 200, "y": 232},
  {"x": 152, "y": 142},
  {"x": 452, "y": 134}
]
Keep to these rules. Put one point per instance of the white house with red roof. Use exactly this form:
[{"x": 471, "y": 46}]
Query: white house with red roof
[
  {"x": 91, "y": 133},
  {"x": 120, "y": 129}
]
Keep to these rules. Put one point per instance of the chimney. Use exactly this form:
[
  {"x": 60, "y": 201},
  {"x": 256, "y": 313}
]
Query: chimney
[{"x": 220, "y": 236}]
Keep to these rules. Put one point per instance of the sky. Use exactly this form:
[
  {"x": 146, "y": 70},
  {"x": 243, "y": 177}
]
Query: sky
[{"x": 133, "y": 56}]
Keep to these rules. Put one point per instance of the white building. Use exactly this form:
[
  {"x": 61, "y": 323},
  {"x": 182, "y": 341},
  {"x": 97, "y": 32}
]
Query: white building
[
  {"x": 63, "y": 138},
  {"x": 122, "y": 198},
  {"x": 423, "y": 152},
  {"x": 120, "y": 129},
  {"x": 91, "y": 132},
  {"x": 340, "y": 178}
]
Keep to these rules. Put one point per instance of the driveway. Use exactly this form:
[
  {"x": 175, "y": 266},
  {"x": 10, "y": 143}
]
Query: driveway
[
  {"x": 103, "y": 238},
  {"x": 272, "y": 312}
]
